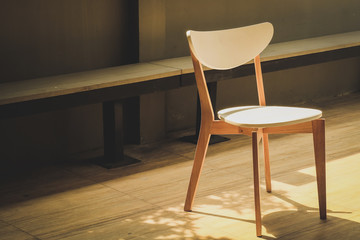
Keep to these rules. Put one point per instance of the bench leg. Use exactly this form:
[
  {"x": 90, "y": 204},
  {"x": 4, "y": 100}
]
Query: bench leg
[
  {"x": 113, "y": 126},
  {"x": 212, "y": 87}
]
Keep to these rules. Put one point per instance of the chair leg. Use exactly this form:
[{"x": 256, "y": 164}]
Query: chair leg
[
  {"x": 319, "y": 149},
  {"x": 267, "y": 162},
  {"x": 256, "y": 183},
  {"x": 201, "y": 149}
]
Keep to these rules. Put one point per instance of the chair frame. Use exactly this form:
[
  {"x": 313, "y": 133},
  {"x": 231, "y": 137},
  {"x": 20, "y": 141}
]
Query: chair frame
[{"x": 210, "y": 126}]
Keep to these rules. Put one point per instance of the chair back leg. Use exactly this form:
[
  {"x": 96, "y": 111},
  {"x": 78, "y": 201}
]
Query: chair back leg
[{"x": 319, "y": 150}]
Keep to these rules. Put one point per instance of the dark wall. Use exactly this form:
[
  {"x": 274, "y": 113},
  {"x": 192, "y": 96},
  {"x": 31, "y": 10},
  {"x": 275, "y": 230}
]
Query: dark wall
[
  {"x": 49, "y": 37},
  {"x": 291, "y": 19},
  {"x": 163, "y": 24},
  {"x": 166, "y": 21},
  {"x": 42, "y": 37}
]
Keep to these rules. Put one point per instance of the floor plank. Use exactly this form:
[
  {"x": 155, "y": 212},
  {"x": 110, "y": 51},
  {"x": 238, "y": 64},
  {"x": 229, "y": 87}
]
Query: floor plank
[{"x": 8, "y": 232}]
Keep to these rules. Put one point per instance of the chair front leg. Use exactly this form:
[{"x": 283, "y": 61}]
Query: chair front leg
[
  {"x": 200, "y": 153},
  {"x": 255, "y": 153},
  {"x": 320, "y": 163},
  {"x": 267, "y": 162}
]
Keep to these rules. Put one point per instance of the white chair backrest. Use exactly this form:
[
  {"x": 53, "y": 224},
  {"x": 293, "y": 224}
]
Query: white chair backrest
[{"x": 226, "y": 49}]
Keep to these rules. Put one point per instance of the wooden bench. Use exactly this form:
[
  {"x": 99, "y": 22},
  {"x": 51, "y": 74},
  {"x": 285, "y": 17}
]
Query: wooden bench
[
  {"x": 116, "y": 85},
  {"x": 345, "y": 42},
  {"x": 275, "y": 57}
]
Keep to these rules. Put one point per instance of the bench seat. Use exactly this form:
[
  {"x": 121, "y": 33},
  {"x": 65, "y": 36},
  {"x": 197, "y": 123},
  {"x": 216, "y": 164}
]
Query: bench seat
[
  {"x": 283, "y": 50},
  {"x": 110, "y": 85},
  {"x": 32, "y": 89}
]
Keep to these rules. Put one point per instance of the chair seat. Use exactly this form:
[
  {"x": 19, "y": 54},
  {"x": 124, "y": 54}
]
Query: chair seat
[{"x": 267, "y": 116}]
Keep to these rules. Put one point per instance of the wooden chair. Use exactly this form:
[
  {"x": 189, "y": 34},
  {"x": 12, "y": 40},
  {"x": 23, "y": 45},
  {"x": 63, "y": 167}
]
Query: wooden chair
[{"x": 227, "y": 49}]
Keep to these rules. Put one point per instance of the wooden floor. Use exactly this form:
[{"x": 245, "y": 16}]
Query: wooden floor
[{"x": 80, "y": 200}]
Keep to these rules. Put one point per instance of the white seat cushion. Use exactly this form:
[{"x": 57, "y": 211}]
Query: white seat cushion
[{"x": 267, "y": 116}]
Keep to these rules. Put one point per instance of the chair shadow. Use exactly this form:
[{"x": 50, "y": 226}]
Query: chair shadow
[
  {"x": 303, "y": 223},
  {"x": 307, "y": 225}
]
